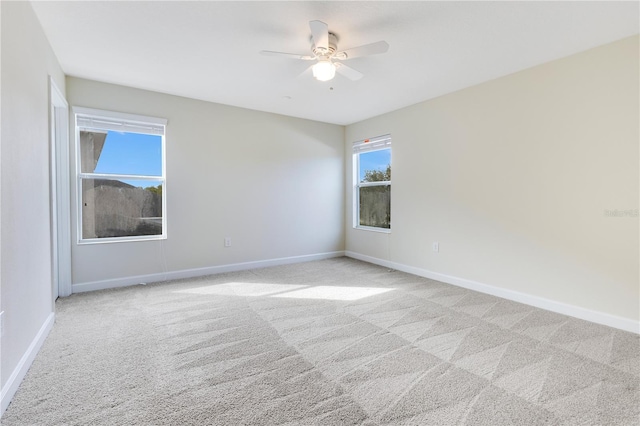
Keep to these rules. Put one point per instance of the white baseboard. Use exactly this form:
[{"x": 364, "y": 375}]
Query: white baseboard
[
  {"x": 597, "y": 317},
  {"x": 197, "y": 272},
  {"x": 12, "y": 384}
]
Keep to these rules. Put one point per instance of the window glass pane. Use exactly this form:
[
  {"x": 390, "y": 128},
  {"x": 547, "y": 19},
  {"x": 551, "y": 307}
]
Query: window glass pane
[
  {"x": 116, "y": 208},
  {"x": 120, "y": 153},
  {"x": 375, "y": 166},
  {"x": 375, "y": 206}
]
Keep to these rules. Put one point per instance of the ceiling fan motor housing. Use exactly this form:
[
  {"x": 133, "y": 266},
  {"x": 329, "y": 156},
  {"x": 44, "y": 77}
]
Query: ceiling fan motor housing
[{"x": 333, "y": 47}]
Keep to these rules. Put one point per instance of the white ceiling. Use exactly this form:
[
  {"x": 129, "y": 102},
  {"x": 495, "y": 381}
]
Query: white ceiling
[{"x": 209, "y": 50}]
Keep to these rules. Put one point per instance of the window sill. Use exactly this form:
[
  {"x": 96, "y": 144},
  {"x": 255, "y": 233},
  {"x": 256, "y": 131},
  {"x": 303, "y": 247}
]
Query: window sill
[
  {"x": 121, "y": 239},
  {"x": 373, "y": 229}
]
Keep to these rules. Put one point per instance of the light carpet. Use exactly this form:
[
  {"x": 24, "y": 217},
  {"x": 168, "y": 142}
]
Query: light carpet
[{"x": 331, "y": 342}]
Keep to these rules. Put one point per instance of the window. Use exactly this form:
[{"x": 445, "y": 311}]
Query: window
[
  {"x": 120, "y": 163},
  {"x": 372, "y": 183}
]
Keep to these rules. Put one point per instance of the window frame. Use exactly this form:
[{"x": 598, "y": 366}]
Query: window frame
[
  {"x": 130, "y": 123},
  {"x": 378, "y": 143}
]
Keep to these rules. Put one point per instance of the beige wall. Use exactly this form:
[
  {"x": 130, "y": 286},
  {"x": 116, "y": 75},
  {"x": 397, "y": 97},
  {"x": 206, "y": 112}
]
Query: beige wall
[
  {"x": 26, "y": 285},
  {"x": 512, "y": 177},
  {"x": 274, "y": 184}
]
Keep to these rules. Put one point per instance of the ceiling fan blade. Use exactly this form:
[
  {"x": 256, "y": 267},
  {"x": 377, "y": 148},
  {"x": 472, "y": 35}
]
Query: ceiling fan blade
[
  {"x": 366, "y": 50},
  {"x": 306, "y": 73},
  {"x": 288, "y": 55},
  {"x": 348, "y": 72},
  {"x": 320, "y": 34}
]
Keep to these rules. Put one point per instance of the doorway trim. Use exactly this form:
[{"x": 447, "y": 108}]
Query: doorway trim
[{"x": 60, "y": 193}]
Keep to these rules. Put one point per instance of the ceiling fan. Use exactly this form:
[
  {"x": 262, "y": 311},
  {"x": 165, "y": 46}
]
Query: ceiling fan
[{"x": 325, "y": 51}]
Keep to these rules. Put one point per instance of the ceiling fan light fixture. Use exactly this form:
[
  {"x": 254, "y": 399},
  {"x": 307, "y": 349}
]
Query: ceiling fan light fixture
[
  {"x": 324, "y": 70},
  {"x": 324, "y": 46}
]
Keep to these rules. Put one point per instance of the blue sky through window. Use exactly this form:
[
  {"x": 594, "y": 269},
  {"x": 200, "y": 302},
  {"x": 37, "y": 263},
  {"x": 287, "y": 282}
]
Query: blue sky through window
[
  {"x": 131, "y": 154},
  {"x": 374, "y": 160}
]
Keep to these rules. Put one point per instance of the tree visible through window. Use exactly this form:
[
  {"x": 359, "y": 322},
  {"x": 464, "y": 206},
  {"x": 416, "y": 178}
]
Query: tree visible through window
[
  {"x": 120, "y": 177},
  {"x": 372, "y": 166}
]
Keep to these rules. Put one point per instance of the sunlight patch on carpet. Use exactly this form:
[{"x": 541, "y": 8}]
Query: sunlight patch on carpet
[
  {"x": 334, "y": 293},
  {"x": 291, "y": 291},
  {"x": 242, "y": 289}
]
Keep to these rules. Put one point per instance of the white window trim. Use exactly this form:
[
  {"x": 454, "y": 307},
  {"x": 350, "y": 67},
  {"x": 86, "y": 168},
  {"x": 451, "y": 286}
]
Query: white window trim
[
  {"x": 367, "y": 145},
  {"x": 132, "y": 123}
]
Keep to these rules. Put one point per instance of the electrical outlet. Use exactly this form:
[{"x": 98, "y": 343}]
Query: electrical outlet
[
  {"x": 436, "y": 247},
  {"x": 227, "y": 241}
]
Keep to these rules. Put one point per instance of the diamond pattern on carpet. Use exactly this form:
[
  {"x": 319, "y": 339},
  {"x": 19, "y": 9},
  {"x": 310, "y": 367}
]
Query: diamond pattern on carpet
[{"x": 264, "y": 347}]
